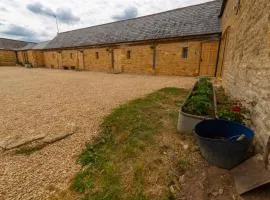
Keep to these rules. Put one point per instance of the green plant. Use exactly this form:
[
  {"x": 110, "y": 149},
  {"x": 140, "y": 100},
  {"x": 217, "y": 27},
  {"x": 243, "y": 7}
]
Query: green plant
[
  {"x": 229, "y": 109},
  {"x": 199, "y": 104},
  {"x": 201, "y": 99},
  {"x": 230, "y": 115}
]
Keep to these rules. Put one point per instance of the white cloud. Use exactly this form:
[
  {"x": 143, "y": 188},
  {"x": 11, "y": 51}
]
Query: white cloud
[
  {"x": 73, "y": 14},
  {"x": 130, "y": 12},
  {"x": 64, "y": 14}
]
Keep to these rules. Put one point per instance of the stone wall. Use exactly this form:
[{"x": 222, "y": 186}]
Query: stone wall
[
  {"x": 69, "y": 58},
  {"x": 52, "y": 59},
  {"x": 139, "y": 58},
  {"x": 245, "y": 58},
  {"x": 7, "y": 58},
  {"x": 34, "y": 57},
  {"x": 31, "y": 58},
  {"x": 97, "y": 59},
  {"x": 39, "y": 58},
  {"x": 171, "y": 62}
]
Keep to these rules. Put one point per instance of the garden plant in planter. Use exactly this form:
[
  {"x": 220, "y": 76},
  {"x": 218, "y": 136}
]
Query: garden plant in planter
[{"x": 200, "y": 105}]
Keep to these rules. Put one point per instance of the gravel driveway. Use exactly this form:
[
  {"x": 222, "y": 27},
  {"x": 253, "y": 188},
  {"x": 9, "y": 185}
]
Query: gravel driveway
[{"x": 44, "y": 102}]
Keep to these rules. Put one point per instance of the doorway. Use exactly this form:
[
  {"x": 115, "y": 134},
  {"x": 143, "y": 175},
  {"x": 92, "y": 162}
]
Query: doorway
[
  {"x": 209, "y": 54},
  {"x": 117, "y": 60},
  {"x": 25, "y": 57}
]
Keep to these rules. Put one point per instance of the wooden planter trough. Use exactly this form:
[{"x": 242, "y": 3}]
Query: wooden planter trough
[{"x": 186, "y": 121}]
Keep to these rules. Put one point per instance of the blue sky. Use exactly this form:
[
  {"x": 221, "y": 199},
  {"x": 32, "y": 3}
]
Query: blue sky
[{"x": 34, "y": 20}]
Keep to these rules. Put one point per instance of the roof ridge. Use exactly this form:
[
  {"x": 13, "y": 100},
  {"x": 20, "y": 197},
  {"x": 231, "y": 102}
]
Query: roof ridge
[{"x": 208, "y": 2}]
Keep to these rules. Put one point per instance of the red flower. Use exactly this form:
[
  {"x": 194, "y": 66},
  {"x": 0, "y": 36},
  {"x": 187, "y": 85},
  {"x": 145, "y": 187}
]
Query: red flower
[{"x": 236, "y": 108}]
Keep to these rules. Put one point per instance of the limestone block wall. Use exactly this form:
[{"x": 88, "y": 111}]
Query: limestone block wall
[
  {"x": 69, "y": 58},
  {"x": 39, "y": 58},
  {"x": 52, "y": 59},
  {"x": 20, "y": 57},
  {"x": 97, "y": 59},
  {"x": 7, "y": 58},
  {"x": 169, "y": 60},
  {"x": 137, "y": 59},
  {"x": 31, "y": 58},
  {"x": 245, "y": 65},
  {"x": 161, "y": 58}
]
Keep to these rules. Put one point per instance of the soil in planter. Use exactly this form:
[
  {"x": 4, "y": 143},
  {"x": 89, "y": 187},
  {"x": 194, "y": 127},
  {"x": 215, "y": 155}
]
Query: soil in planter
[{"x": 200, "y": 102}]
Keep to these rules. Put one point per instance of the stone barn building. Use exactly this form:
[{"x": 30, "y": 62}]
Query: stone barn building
[
  {"x": 32, "y": 54},
  {"x": 8, "y": 55},
  {"x": 183, "y": 42}
]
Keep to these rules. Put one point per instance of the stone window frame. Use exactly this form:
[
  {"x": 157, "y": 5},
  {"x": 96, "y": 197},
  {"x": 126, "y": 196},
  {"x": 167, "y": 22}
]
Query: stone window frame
[
  {"x": 128, "y": 54},
  {"x": 185, "y": 52},
  {"x": 97, "y": 55}
]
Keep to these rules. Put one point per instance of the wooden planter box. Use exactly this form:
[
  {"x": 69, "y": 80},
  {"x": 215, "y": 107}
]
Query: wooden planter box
[{"x": 187, "y": 122}]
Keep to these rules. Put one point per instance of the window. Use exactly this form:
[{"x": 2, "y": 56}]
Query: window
[
  {"x": 97, "y": 55},
  {"x": 128, "y": 54},
  {"x": 185, "y": 52},
  {"x": 71, "y": 55}
]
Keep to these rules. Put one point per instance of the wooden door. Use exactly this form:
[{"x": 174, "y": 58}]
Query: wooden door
[
  {"x": 117, "y": 59},
  {"x": 59, "y": 60},
  {"x": 80, "y": 58},
  {"x": 25, "y": 57},
  {"x": 209, "y": 54}
]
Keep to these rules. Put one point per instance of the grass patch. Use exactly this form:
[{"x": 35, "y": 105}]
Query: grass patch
[{"x": 129, "y": 160}]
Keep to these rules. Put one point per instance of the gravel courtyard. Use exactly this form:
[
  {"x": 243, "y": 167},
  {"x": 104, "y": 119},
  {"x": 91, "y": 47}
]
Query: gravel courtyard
[{"x": 43, "y": 104}]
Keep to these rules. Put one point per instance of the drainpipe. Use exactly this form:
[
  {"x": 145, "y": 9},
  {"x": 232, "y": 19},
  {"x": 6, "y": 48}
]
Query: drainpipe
[
  {"x": 112, "y": 58},
  {"x": 77, "y": 62},
  {"x": 218, "y": 54},
  {"x": 82, "y": 51},
  {"x": 16, "y": 54},
  {"x": 153, "y": 46},
  {"x": 58, "y": 59}
]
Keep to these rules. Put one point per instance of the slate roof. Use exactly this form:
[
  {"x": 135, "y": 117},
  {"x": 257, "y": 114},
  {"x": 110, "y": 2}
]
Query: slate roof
[
  {"x": 9, "y": 44},
  {"x": 27, "y": 47},
  {"x": 41, "y": 45},
  {"x": 38, "y": 46},
  {"x": 188, "y": 21}
]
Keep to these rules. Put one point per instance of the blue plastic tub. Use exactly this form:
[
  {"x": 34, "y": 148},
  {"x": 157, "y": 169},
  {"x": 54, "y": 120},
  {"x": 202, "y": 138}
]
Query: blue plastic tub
[{"x": 219, "y": 142}]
